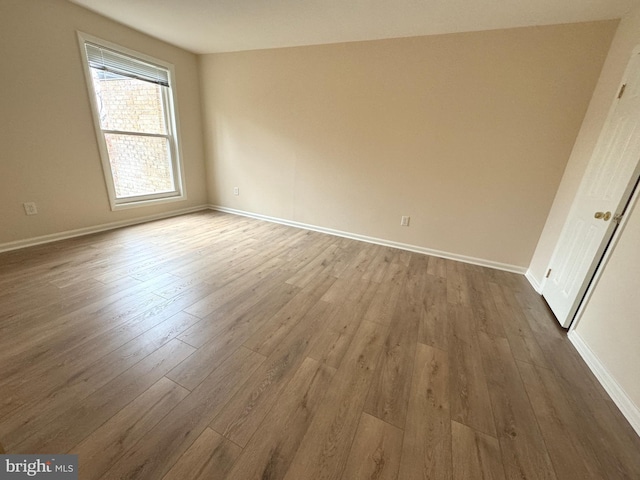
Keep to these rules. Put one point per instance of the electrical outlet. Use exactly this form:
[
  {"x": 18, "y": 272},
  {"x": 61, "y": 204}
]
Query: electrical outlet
[
  {"x": 30, "y": 208},
  {"x": 236, "y": 191},
  {"x": 404, "y": 221}
]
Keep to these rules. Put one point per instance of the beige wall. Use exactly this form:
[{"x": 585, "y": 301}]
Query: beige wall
[
  {"x": 468, "y": 134},
  {"x": 49, "y": 148}
]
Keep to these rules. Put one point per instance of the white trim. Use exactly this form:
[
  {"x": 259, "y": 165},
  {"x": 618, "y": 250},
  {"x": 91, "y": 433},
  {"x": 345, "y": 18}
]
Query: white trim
[
  {"x": 378, "y": 241},
  {"x": 54, "y": 237},
  {"x": 630, "y": 410},
  {"x": 537, "y": 286}
]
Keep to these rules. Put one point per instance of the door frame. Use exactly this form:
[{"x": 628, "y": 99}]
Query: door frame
[
  {"x": 631, "y": 194},
  {"x": 608, "y": 251}
]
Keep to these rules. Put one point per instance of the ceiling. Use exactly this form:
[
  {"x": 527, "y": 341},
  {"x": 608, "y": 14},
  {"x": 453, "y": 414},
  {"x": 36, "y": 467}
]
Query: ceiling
[{"x": 208, "y": 26}]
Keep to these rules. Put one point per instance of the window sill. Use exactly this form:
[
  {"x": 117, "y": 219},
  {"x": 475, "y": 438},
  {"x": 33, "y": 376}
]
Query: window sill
[{"x": 147, "y": 203}]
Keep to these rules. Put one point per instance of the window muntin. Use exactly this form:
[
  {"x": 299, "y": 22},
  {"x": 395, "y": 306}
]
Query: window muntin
[{"x": 133, "y": 109}]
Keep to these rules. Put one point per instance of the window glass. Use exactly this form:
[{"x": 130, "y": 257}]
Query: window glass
[{"x": 128, "y": 104}]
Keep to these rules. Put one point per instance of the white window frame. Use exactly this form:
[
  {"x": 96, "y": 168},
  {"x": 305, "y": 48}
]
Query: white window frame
[{"x": 172, "y": 134}]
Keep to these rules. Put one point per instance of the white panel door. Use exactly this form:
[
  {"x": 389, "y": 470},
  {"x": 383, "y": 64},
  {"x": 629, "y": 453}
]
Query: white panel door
[{"x": 604, "y": 192}]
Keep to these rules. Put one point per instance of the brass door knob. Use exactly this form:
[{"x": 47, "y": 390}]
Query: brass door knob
[{"x": 603, "y": 215}]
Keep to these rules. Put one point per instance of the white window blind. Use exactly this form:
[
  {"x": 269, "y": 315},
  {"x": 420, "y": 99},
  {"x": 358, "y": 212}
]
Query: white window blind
[{"x": 117, "y": 63}]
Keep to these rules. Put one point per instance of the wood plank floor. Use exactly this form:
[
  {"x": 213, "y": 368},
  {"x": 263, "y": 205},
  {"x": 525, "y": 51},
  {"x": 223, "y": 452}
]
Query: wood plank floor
[{"x": 212, "y": 346}]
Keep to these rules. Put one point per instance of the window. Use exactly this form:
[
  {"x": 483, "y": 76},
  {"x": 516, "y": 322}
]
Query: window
[{"x": 133, "y": 106}]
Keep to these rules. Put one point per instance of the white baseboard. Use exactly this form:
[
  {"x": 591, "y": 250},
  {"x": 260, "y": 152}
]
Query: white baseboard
[
  {"x": 378, "y": 241},
  {"x": 629, "y": 409},
  {"x": 537, "y": 286},
  {"x": 30, "y": 242}
]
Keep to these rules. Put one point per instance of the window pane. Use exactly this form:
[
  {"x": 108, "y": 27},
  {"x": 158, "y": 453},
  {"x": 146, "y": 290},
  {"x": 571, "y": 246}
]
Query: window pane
[
  {"x": 128, "y": 104},
  {"x": 140, "y": 165}
]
